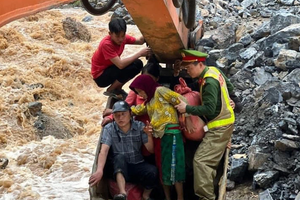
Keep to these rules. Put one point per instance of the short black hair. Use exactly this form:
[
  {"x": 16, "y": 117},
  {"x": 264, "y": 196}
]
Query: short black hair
[
  {"x": 152, "y": 69},
  {"x": 117, "y": 25},
  {"x": 196, "y": 62}
]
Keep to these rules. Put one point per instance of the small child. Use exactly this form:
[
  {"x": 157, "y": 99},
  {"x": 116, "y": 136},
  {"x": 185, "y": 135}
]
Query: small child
[{"x": 159, "y": 104}]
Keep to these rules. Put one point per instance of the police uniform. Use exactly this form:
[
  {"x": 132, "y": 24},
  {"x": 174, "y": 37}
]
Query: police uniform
[{"x": 219, "y": 115}]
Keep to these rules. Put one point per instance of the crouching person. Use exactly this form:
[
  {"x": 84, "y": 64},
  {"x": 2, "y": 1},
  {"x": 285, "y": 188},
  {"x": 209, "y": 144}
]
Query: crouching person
[{"x": 125, "y": 137}]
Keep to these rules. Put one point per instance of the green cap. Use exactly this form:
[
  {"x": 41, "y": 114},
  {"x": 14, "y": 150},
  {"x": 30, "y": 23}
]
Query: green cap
[{"x": 193, "y": 55}]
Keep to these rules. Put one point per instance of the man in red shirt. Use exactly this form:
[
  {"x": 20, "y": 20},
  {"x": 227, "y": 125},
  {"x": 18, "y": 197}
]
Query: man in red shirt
[{"x": 108, "y": 69}]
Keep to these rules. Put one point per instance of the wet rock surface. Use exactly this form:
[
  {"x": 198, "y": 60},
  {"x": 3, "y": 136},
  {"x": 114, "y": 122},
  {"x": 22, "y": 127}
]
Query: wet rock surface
[
  {"x": 76, "y": 30},
  {"x": 266, "y": 66},
  {"x": 3, "y": 163}
]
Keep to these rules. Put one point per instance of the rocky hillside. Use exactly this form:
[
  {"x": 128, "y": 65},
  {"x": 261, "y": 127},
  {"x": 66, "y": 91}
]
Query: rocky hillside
[{"x": 257, "y": 44}]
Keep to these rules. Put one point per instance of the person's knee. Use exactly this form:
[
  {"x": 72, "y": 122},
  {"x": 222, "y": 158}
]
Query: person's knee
[
  {"x": 122, "y": 170},
  {"x": 153, "y": 171},
  {"x": 138, "y": 63},
  {"x": 197, "y": 160},
  {"x": 151, "y": 175},
  {"x": 199, "y": 163},
  {"x": 119, "y": 163}
]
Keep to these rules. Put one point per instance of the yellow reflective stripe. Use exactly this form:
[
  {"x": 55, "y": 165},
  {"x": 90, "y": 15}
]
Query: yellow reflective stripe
[
  {"x": 215, "y": 69},
  {"x": 211, "y": 75},
  {"x": 221, "y": 122}
]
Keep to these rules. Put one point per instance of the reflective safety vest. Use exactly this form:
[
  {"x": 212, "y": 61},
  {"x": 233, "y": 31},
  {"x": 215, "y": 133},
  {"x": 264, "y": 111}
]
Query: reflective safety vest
[{"x": 226, "y": 116}]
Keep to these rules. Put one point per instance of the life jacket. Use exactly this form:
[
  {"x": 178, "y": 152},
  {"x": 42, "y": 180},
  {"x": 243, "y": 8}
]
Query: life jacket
[
  {"x": 226, "y": 115},
  {"x": 193, "y": 99}
]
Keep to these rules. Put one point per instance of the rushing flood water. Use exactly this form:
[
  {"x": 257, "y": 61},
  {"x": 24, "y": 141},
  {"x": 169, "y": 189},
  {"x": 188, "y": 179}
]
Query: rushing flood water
[{"x": 34, "y": 52}]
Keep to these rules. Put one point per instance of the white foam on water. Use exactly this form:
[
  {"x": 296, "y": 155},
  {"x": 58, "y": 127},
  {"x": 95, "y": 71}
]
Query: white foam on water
[{"x": 66, "y": 179}]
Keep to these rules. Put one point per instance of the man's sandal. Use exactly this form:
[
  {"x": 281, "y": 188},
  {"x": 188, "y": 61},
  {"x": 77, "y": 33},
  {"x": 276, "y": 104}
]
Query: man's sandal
[
  {"x": 122, "y": 92},
  {"x": 113, "y": 94},
  {"x": 120, "y": 197},
  {"x": 110, "y": 93}
]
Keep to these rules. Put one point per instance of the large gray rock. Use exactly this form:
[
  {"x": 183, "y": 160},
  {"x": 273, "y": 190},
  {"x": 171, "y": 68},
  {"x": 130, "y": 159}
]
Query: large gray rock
[
  {"x": 294, "y": 44},
  {"x": 264, "y": 179},
  {"x": 231, "y": 52},
  {"x": 287, "y": 59},
  {"x": 294, "y": 76},
  {"x": 225, "y": 36},
  {"x": 273, "y": 96},
  {"x": 265, "y": 195},
  {"x": 256, "y": 158},
  {"x": 75, "y": 30},
  {"x": 298, "y": 196},
  {"x": 282, "y": 20},
  {"x": 286, "y": 145},
  {"x": 248, "y": 53},
  {"x": 287, "y": 2},
  {"x": 214, "y": 55},
  {"x": 35, "y": 108},
  {"x": 262, "y": 31},
  {"x": 276, "y": 48},
  {"x": 238, "y": 169},
  {"x": 261, "y": 76},
  {"x": 46, "y": 125},
  {"x": 248, "y": 3},
  {"x": 246, "y": 39},
  {"x": 281, "y": 36}
]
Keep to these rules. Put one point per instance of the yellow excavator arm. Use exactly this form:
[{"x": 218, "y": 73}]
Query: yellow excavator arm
[{"x": 15, "y": 9}]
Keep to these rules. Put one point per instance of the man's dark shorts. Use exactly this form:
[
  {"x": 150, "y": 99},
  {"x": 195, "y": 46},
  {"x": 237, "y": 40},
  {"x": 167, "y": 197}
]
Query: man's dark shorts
[
  {"x": 113, "y": 73},
  {"x": 142, "y": 173}
]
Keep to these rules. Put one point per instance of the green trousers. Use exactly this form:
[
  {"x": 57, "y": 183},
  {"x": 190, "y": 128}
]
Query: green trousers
[{"x": 207, "y": 159}]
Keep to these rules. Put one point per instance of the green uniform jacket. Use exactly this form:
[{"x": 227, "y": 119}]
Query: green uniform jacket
[{"x": 211, "y": 97}]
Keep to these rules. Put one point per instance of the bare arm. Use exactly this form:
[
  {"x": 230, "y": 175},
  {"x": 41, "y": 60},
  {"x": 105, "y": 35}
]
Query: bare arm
[
  {"x": 149, "y": 145},
  {"x": 149, "y": 130},
  {"x": 140, "y": 40},
  {"x": 97, "y": 176},
  {"x": 122, "y": 63}
]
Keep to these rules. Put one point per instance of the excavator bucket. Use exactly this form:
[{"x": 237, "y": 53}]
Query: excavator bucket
[
  {"x": 15, "y": 9},
  {"x": 162, "y": 26}
]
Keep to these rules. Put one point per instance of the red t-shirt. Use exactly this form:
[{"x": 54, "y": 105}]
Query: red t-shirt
[{"x": 106, "y": 51}]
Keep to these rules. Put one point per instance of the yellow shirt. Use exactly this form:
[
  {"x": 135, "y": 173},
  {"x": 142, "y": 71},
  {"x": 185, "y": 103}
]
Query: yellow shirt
[{"x": 160, "y": 109}]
